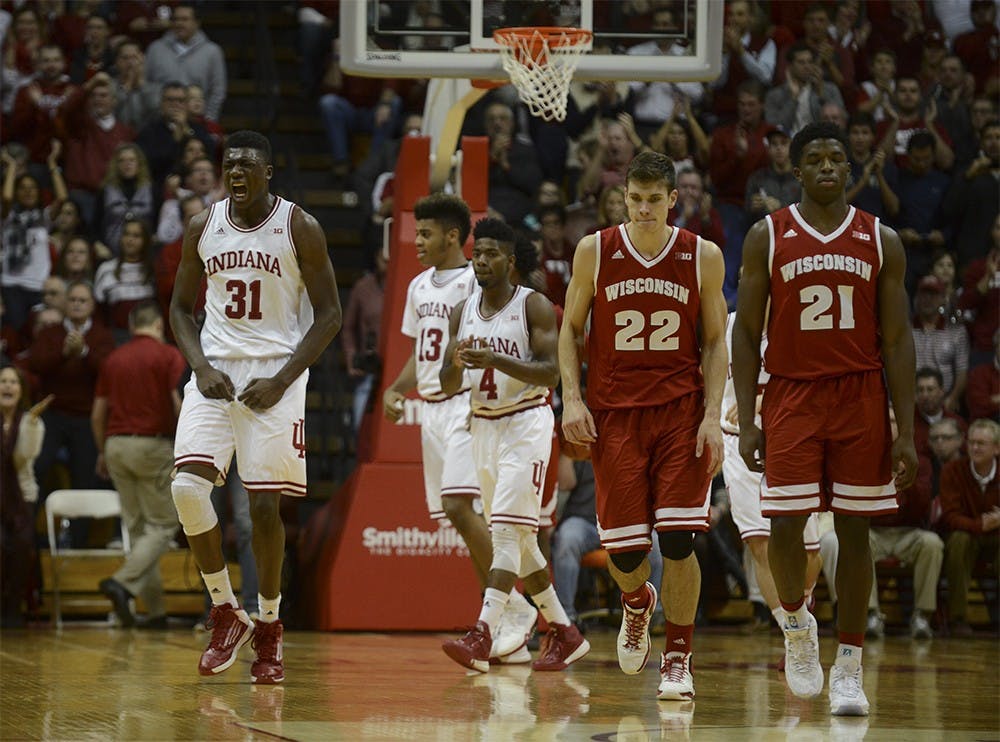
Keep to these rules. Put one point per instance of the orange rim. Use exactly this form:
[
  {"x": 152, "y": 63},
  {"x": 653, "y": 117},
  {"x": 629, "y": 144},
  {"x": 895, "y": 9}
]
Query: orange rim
[{"x": 556, "y": 36}]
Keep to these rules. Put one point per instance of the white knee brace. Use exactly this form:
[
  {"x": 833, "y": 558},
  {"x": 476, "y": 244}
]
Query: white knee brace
[
  {"x": 506, "y": 547},
  {"x": 193, "y": 500},
  {"x": 532, "y": 559}
]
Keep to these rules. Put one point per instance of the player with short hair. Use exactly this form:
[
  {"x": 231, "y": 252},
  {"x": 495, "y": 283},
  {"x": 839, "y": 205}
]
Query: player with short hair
[
  {"x": 656, "y": 369},
  {"x": 828, "y": 278},
  {"x": 272, "y": 307},
  {"x": 506, "y": 337},
  {"x": 443, "y": 224}
]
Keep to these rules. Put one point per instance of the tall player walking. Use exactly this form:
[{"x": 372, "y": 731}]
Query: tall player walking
[
  {"x": 657, "y": 367},
  {"x": 272, "y": 307},
  {"x": 450, "y": 485},
  {"x": 829, "y": 278},
  {"x": 506, "y": 338}
]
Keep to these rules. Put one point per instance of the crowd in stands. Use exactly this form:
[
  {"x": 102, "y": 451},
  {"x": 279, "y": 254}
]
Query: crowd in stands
[{"x": 111, "y": 137}]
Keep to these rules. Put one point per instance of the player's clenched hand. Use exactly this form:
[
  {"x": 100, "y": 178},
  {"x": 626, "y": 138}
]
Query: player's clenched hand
[
  {"x": 476, "y": 355},
  {"x": 577, "y": 423},
  {"x": 392, "y": 404},
  {"x": 752, "y": 448},
  {"x": 456, "y": 356},
  {"x": 710, "y": 434},
  {"x": 904, "y": 462},
  {"x": 213, "y": 384},
  {"x": 263, "y": 394}
]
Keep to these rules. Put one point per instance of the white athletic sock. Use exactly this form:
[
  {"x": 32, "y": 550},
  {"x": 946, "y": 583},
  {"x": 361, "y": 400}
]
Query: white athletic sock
[
  {"x": 798, "y": 619},
  {"x": 779, "y": 616},
  {"x": 494, "y": 601},
  {"x": 268, "y": 608},
  {"x": 219, "y": 588},
  {"x": 550, "y": 607},
  {"x": 516, "y": 599},
  {"x": 848, "y": 653}
]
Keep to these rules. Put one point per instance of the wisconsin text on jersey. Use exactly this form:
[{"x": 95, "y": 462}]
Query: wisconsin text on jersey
[
  {"x": 243, "y": 259},
  {"x": 826, "y": 262},
  {"x": 649, "y": 285}
]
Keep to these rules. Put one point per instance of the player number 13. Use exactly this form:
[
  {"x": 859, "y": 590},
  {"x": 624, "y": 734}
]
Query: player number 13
[{"x": 816, "y": 315}]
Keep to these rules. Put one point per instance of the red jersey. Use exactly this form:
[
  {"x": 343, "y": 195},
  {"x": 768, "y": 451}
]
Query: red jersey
[
  {"x": 824, "y": 296},
  {"x": 643, "y": 344}
]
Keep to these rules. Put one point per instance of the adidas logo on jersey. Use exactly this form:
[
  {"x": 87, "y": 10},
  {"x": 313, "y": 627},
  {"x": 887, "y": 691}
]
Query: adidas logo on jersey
[
  {"x": 619, "y": 255},
  {"x": 790, "y": 233}
]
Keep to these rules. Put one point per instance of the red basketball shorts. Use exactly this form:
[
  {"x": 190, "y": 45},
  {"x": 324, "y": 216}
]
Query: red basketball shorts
[{"x": 827, "y": 446}]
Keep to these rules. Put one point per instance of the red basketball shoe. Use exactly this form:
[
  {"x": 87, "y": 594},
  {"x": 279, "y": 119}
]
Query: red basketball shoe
[
  {"x": 269, "y": 667},
  {"x": 231, "y": 629}
]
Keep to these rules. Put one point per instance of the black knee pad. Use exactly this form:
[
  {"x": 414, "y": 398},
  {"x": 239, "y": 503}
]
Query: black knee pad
[
  {"x": 676, "y": 545},
  {"x": 628, "y": 561}
]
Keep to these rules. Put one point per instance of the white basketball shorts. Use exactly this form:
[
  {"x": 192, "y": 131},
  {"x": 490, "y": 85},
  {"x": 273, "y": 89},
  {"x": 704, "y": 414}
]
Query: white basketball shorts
[
  {"x": 447, "y": 452},
  {"x": 511, "y": 455},
  {"x": 270, "y": 444}
]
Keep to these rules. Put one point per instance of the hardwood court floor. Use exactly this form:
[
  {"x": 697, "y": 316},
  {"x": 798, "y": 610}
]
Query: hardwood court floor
[{"x": 105, "y": 684}]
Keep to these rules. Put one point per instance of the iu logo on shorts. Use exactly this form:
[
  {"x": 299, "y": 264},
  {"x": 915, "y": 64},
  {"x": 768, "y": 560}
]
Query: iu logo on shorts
[{"x": 299, "y": 437}]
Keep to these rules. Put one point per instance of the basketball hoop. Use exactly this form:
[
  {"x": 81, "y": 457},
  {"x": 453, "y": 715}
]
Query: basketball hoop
[{"x": 540, "y": 62}]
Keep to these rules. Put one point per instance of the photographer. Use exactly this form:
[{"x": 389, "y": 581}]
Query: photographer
[{"x": 360, "y": 335}]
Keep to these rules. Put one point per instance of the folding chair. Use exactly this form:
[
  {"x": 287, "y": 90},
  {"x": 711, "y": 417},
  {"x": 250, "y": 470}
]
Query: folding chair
[{"x": 79, "y": 504}]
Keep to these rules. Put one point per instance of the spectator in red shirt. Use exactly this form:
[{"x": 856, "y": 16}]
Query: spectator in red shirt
[
  {"x": 96, "y": 54},
  {"x": 557, "y": 252},
  {"x": 169, "y": 260},
  {"x": 66, "y": 359},
  {"x": 979, "y": 48},
  {"x": 981, "y": 298},
  {"x": 32, "y": 120},
  {"x": 982, "y": 395},
  {"x": 929, "y": 403},
  {"x": 970, "y": 504},
  {"x": 906, "y": 119},
  {"x": 694, "y": 211},
  {"x": 737, "y": 150},
  {"x": 134, "y": 416}
]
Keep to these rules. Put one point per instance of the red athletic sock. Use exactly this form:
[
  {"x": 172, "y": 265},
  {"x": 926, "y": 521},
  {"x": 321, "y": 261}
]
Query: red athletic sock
[
  {"x": 679, "y": 638},
  {"x": 638, "y": 599},
  {"x": 792, "y": 607},
  {"x": 855, "y": 640}
]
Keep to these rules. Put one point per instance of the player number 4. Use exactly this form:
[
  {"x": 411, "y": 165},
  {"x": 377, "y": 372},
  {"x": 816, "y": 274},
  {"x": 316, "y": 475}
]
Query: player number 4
[{"x": 816, "y": 315}]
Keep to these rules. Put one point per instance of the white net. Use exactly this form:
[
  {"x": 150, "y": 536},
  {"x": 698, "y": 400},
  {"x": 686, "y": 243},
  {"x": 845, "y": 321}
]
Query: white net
[{"x": 541, "y": 63}]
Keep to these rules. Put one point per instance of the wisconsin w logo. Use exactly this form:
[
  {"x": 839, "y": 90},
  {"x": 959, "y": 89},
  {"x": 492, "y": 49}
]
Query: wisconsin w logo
[{"x": 299, "y": 437}]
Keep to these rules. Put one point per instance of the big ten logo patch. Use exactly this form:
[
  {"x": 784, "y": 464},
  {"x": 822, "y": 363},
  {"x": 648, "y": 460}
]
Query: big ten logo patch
[
  {"x": 299, "y": 437},
  {"x": 413, "y": 412}
]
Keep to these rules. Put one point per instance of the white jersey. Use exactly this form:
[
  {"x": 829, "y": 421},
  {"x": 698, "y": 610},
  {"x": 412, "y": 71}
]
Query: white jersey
[
  {"x": 494, "y": 393},
  {"x": 429, "y": 300},
  {"x": 256, "y": 305},
  {"x": 729, "y": 393}
]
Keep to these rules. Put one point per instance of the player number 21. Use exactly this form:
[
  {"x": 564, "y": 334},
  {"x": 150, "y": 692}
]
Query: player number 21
[
  {"x": 237, "y": 306},
  {"x": 633, "y": 324},
  {"x": 818, "y": 300}
]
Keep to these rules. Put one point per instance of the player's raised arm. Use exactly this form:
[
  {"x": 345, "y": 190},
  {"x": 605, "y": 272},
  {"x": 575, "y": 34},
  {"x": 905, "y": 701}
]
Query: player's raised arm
[
  {"x": 577, "y": 422},
  {"x": 751, "y": 302},
  {"x": 714, "y": 355},
  {"x": 897, "y": 353},
  {"x": 452, "y": 367}
]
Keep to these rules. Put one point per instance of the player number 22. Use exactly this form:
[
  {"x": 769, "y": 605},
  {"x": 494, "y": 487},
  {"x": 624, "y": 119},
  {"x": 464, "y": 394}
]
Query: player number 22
[
  {"x": 633, "y": 324},
  {"x": 818, "y": 300},
  {"x": 237, "y": 306}
]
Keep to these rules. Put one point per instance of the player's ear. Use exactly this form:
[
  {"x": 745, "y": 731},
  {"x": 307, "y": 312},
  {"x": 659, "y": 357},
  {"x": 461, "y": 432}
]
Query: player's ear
[{"x": 269, "y": 172}]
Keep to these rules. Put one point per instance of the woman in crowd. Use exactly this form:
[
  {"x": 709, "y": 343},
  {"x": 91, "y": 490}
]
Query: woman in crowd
[
  {"x": 127, "y": 194},
  {"x": 77, "y": 261},
  {"x": 123, "y": 282},
  {"x": 21, "y": 435},
  {"x": 27, "y": 257}
]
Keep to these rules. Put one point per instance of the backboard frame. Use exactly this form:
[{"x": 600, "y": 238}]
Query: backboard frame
[{"x": 355, "y": 58}]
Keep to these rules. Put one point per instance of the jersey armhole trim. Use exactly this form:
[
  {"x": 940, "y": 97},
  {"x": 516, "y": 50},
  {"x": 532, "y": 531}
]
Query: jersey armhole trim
[
  {"x": 597, "y": 258},
  {"x": 697, "y": 261},
  {"x": 878, "y": 242},
  {"x": 288, "y": 227},
  {"x": 770, "y": 244},
  {"x": 205, "y": 231}
]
